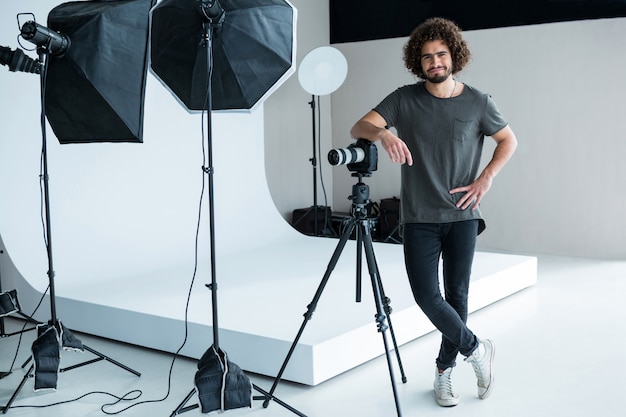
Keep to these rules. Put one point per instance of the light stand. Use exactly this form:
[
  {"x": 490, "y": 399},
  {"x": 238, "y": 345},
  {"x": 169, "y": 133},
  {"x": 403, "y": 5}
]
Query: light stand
[
  {"x": 322, "y": 71},
  {"x": 214, "y": 18},
  {"x": 360, "y": 223},
  {"x": 212, "y": 23},
  {"x": 315, "y": 208},
  {"x": 69, "y": 341},
  {"x": 251, "y": 55},
  {"x": 85, "y": 98}
]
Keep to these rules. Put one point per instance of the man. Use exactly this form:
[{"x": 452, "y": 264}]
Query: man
[{"x": 441, "y": 124}]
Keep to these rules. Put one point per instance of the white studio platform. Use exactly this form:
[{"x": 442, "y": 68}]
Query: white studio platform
[{"x": 262, "y": 297}]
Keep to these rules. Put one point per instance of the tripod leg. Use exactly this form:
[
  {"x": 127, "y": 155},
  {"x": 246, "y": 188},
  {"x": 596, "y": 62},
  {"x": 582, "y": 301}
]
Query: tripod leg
[
  {"x": 388, "y": 309},
  {"x": 387, "y": 306},
  {"x": 311, "y": 307},
  {"x": 381, "y": 317},
  {"x": 113, "y": 361},
  {"x": 359, "y": 263},
  {"x": 18, "y": 389}
]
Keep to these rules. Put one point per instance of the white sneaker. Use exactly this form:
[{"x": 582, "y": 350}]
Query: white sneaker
[
  {"x": 482, "y": 362},
  {"x": 443, "y": 389}
]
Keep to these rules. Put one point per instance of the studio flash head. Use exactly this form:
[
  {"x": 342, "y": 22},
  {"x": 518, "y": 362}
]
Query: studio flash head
[
  {"x": 41, "y": 36},
  {"x": 360, "y": 157}
]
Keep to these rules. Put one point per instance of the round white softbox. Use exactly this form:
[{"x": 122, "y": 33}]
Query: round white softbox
[{"x": 322, "y": 70}]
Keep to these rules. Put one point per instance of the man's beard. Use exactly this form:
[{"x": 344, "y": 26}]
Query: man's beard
[{"x": 437, "y": 79}]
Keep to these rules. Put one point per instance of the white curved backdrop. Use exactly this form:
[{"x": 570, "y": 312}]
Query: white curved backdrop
[{"x": 124, "y": 207}]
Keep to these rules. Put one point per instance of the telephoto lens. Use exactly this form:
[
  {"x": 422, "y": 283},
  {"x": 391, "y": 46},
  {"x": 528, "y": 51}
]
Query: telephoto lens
[
  {"x": 360, "y": 157},
  {"x": 349, "y": 155}
]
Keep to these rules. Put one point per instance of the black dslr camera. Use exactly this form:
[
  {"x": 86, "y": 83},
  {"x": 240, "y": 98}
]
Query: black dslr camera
[{"x": 361, "y": 157}]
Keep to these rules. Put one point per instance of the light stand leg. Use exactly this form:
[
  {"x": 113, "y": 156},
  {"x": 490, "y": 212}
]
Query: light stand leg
[
  {"x": 28, "y": 374},
  {"x": 26, "y": 318},
  {"x": 101, "y": 357},
  {"x": 268, "y": 396},
  {"x": 181, "y": 407}
]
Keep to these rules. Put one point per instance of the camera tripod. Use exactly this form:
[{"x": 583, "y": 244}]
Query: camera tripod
[{"x": 360, "y": 224}]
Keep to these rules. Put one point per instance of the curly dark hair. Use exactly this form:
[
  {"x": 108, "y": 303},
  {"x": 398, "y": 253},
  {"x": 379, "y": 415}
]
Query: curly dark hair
[{"x": 436, "y": 28}]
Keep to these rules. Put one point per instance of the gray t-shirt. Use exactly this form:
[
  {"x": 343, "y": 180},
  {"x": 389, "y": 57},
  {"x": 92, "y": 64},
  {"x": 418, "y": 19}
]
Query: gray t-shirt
[{"x": 445, "y": 137}]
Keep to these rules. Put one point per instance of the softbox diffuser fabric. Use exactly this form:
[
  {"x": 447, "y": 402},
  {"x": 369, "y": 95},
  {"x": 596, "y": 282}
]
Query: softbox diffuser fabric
[
  {"x": 95, "y": 90},
  {"x": 253, "y": 52}
]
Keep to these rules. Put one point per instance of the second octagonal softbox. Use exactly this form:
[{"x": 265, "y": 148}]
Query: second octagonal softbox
[
  {"x": 95, "y": 90},
  {"x": 253, "y": 52}
]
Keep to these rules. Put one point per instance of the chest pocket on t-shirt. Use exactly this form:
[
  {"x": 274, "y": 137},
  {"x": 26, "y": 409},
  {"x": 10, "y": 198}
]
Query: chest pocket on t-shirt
[{"x": 463, "y": 130}]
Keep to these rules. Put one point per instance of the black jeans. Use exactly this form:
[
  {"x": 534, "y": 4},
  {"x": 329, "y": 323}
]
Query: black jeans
[{"x": 455, "y": 243}]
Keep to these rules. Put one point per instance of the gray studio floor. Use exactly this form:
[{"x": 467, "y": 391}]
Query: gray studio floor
[{"x": 559, "y": 349}]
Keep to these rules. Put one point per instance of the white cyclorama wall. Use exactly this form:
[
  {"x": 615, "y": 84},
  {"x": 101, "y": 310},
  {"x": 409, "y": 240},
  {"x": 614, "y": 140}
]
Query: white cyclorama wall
[{"x": 559, "y": 86}]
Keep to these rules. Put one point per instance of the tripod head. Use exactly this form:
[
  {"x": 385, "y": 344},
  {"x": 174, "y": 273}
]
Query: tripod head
[{"x": 360, "y": 196}]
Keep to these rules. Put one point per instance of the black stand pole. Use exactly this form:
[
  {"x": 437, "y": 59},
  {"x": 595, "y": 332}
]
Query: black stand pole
[
  {"x": 207, "y": 42},
  {"x": 314, "y": 164},
  {"x": 210, "y": 171},
  {"x": 53, "y": 314},
  {"x": 324, "y": 230},
  {"x": 360, "y": 223},
  {"x": 209, "y": 27}
]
